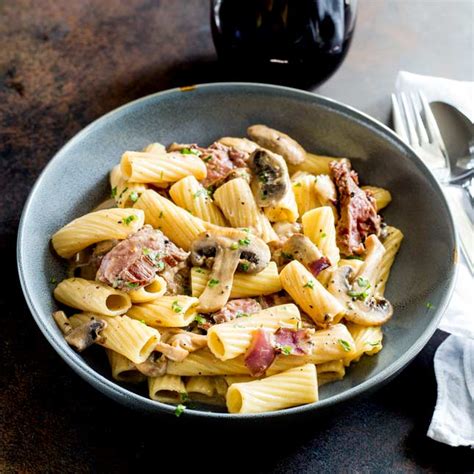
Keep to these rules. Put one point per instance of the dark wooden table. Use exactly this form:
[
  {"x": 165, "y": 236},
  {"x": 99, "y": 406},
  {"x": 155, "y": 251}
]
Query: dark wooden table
[{"x": 64, "y": 63}]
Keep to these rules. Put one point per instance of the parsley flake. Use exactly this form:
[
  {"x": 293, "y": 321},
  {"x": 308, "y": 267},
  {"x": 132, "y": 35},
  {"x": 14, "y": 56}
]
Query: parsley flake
[
  {"x": 286, "y": 350},
  {"x": 297, "y": 185},
  {"x": 146, "y": 251},
  {"x": 212, "y": 283},
  {"x": 132, "y": 285},
  {"x": 113, "y": 193},
  {"x": 179, "y": 410},
  {"x": 244, "y": 242},
  {"x": 374, "y": 344},
  {"x": 53, "y": 280},
  {"x": 363, "y": 282},
  {"x": 324, "y": 235},
  {"x": 199, "y": 270},
  {"x": 207, "y": 158},
  {"x": 430, "y": 305},
  {"x": 245, "y": 267},
  {"x": 176, "y": 307},
  {"x": 133, "y": 196},
  {"x": 161, "y": 214},
  {"x": 190, "y": 151},
  {"x": 309, "y": 284},
  {"x": 242, "y": 315},
  {"x": 129, "y": 219},
  {"x": 345, "y": 345},
  {"x": 184, "y": 397},
  {"x": 200, "y": 319},
  {"x": 234, "y": 246}
]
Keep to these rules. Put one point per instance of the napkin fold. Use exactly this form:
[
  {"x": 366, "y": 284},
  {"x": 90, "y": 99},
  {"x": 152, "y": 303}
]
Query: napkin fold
[{"x": 453, "y": 417}]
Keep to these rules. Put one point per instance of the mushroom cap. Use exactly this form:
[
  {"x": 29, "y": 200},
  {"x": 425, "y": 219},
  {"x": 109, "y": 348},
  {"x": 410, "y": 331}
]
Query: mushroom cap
[
  {"x": 86, "y": 334},
  {"x": 278, "y": 142},
  {"x": 254, "y": 252},
  {"x": 371, "y": 311},
  {"x": 272, "y": 180}
]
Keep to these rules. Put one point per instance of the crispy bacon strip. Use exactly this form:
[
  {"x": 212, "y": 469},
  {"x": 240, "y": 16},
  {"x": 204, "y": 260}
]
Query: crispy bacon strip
[
  {"x": 294, "y": 342},
  {"x": 260, "y": 354}
]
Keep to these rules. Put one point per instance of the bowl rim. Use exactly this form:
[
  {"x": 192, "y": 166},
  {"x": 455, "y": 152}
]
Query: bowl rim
[{"x": 118, "y": 392}]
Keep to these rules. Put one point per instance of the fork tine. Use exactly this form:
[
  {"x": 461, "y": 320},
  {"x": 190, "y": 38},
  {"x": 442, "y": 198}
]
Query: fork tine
[
  {"x": 398, "y": 121},
  {"x": 422, "y": 134},
  {"x": 433, "y": 129},
  {"x": 409, "y": 121}
]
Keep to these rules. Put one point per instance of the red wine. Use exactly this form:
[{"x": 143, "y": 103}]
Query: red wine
[{"x": 295, "y": 42}]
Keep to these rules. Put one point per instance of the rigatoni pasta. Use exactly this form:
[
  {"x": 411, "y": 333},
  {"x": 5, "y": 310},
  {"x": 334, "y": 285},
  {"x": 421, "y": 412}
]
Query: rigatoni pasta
[{"x": 217, "y": 278}]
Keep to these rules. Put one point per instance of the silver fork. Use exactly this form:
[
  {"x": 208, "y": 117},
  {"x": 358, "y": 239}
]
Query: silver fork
[{"x": 414, "y": 122}]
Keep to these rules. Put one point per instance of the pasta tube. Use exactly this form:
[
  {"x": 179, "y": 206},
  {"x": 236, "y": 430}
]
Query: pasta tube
[
  {"x": 284, "y": 210},
  {"x": 132, "y": 339},
  {"x": 392, "y": 244},
  {"x": 315, "y": 164},
  {"x": 328, "y": 344},
  {"x": 244, "y": 285},
  {"x": 367, "y": 339},
  {"x": 189, "y": 194},
  {"x": 330, "y": 371},
  {"x": 150, "y": 292},
  {"x": 305, "y": 195},
  {"x": 95, "y": 227},
  {"x": 124, "y": 193},
  {"x": 92, "y": 296},
  {"x": 178, "y": 224},
  {"x": 319, "y": 227},
  {"x": 293, "y": 387},
  {"x": 166, "y": 389},
  {"x": 310, "y": 294},
  {"x": 236, "y": 201},
  {"x": 142, "y": 167},
  {"x": 123, "y": 370},
  {"x": 228, "y": 340},
  {"x": 169, "y": 311}
]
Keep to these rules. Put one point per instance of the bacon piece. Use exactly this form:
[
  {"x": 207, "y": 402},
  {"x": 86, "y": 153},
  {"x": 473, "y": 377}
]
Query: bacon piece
[
  {"x": 133, "y": 262},
  {"x": 260, "y": 354},
  {"x": 318, "y": 266},
  {"x": 294, "y": 342},
  {"x": 358, "y": 214},
  {"x": 274, "y": 299},
  {"x": 236, "y": 308}
]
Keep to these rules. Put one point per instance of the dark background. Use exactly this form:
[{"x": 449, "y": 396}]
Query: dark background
[{"x": 64, "y": 63}]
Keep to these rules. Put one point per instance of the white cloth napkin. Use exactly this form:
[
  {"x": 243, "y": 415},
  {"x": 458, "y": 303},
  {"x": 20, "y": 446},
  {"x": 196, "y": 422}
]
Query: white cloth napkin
[{"x": 453, "y": 418}]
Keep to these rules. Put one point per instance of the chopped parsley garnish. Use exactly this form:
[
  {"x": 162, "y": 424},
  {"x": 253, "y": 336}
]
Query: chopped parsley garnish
[
  {"x": 309, "y": 284},
  {"x": 179, "y": 410},
  {"x": 374, "y": 344},
  {"x": 129, "y": 219},
  {"x": 143, "y": 321},
  {"x": 242, "y": 315},
  {"x": 345, "y": 345},
  {"x": 287, "y": 256},
  {"x": 297, "y": 185},
  {"x": 199, "y": 270},
  {"x": 113, "y": 193},
  {"x": 429, "y": 305},
  {"x": 161, "y": 214},
  {"x": 246, "y": 229},
  {"x": 200, "y": 319},
  {"x": 160, "y": 265},
  {"x": 262, "y": 177},
  {"x": 213, "y": 282},
  {"x": 234, "y": 246},
  {"x": 363, "y": 282},
  {"x": 353, "y": 257},
  {"x": 184, "y": 397},
  {"x": 244, "y": 242},
  {"x": 53, "y": 280},
  {"x": 190, "y": 151},
  {"x": 176, "y": 307},
  {"x": 359, "y": 295},
  {"x": 134, "y": 196},
  {"x": 146, "y": 251},
  {"x": 324, "y": 235},
  {"x": 286, "y": 350},
  {"x": 245, "y": 267},
  {"x": 315, "y": 180},
  {"x": 207, "y": 158},
  {"x": 132, "y": 285}
]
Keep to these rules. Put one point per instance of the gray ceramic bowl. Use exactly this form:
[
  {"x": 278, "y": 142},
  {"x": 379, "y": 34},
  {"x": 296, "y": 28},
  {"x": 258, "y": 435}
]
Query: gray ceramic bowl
[{"x": 76, "y": 180}]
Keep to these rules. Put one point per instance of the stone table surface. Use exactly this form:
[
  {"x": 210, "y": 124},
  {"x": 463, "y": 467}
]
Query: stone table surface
[{"x": 64, "y": 63}]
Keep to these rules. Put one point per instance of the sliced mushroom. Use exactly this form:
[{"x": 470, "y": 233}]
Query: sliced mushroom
[
  {"x": 299, "y": 247},
  {"x": 84, "y": 335},
  {"x": 356, "y": 291},
  {"x": 186, "y": 340},
  {"x": 154, "y": 366},
  {"x": 224, "y": 250},
  {"x": 278, "y": 142},
  {"x": 242, "y": 144},
  {"x": 271, "y": 179}
]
